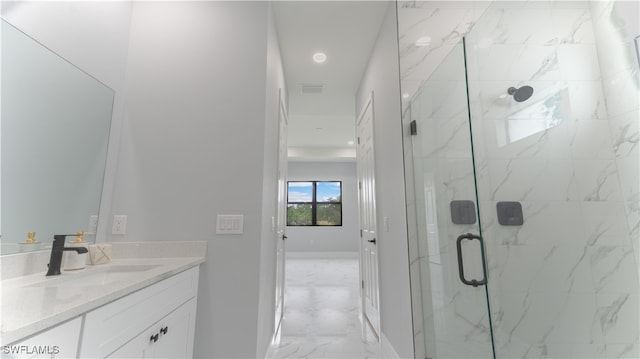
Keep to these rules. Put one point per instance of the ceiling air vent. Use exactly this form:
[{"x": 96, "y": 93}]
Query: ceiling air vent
[{"x": 311, "y": 89}]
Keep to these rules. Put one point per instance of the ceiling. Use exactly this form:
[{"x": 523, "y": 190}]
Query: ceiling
[{"x": 321, "y": 125}]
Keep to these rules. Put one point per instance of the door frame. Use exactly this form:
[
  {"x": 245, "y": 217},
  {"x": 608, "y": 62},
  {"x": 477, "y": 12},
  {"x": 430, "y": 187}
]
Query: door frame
[
  {"x": 373, "y": 323},
  {"x": 281, "y": 215}
]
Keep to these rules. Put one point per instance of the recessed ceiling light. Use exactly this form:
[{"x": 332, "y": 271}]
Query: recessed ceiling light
[
  {"x": 350, "y": 143},
  {"x": 319, "y": 57},
  {"x": 423, "y": 41},
  {"x": 405, "y": 95}
]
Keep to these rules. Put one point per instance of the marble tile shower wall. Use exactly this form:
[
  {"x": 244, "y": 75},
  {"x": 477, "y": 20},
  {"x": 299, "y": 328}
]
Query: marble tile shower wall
[
  {"x": 418, "y": 303},
  {"x": 455, "y": 317},
  {"x": 616, "y": 24},
  {"x": 445, "y": 23},
  {"x": 427, "y": 32},
  {"x": 565, "y": 283}
]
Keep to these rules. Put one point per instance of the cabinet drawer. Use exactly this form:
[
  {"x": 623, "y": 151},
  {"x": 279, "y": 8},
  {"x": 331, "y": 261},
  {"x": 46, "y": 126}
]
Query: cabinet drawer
[{"x": 110, "y": 327}]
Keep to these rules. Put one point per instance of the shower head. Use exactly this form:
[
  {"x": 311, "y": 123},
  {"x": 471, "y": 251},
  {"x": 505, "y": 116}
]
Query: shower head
[{"x": 520, "y": 94}]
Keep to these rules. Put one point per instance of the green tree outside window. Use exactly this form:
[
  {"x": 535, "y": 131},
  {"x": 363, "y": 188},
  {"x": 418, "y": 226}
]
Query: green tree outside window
[{"x": 314, "y": 203}]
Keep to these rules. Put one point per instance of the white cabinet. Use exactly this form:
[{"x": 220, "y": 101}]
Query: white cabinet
[
  {"x": 171, "y": 337},
  {"x": 157, "y": 321},
  {"x": 176, "y": 333},
  {"x": 60, "y": 341}
]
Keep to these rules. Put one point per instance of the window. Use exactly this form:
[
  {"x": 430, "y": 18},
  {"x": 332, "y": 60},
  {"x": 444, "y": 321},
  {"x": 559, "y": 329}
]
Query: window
[{"x": 314, "y": 203}]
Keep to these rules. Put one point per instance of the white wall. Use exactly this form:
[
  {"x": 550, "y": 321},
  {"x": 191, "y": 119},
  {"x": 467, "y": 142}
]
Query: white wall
[
  {"x": 275, "y": 88},
  {"x": 195, "y": 84},
  {"x": 91, "y": 35},
  {"x": 381, "y": 77},
  {"x": 327, "y": 239},
  {"x": 194, "y": 146}
]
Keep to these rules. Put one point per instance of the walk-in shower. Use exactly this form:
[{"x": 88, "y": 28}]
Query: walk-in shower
[{"x": 522, "y": 178}]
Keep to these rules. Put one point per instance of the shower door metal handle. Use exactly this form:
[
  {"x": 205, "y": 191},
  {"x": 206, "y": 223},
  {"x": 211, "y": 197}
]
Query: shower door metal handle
[{"x": 472, "y": 282}]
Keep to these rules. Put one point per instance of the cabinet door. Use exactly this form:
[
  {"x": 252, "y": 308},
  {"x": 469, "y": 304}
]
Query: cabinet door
[
  {"x": 138, "y": 348},
  {"x": 171, "y": 337},
  {"x": 108, "y": 328},
  {"x": 176, "y": 332},
  {"x": 58, "y": 342}
]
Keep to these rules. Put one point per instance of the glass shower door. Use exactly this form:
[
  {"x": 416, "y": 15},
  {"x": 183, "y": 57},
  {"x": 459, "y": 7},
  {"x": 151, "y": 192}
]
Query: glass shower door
[
  {"x": 554, "y": 184},
  {"x": 452, "y": 275},
  {"x": 526, "y": 136}
]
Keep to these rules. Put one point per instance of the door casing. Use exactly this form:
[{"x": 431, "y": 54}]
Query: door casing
[
  {"x": 369, "y": 278},
  {"x": 281, "y": 213}
]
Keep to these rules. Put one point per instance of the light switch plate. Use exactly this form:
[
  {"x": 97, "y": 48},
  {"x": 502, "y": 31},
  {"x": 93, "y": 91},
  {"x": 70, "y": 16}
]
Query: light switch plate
[{"x": 230, "y": 224}]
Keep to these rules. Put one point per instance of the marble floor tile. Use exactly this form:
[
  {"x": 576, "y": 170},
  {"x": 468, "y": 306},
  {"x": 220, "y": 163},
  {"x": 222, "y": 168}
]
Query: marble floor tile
[{"x": 321, "y": 318}]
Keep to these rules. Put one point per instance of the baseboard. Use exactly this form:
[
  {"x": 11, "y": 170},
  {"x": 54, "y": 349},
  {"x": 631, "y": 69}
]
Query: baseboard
[{"x": 322, "y": 255}]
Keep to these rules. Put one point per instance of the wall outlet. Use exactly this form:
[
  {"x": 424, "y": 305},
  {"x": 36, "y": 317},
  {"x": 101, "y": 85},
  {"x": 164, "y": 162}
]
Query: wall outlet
[{"x": 119, "y": 224}]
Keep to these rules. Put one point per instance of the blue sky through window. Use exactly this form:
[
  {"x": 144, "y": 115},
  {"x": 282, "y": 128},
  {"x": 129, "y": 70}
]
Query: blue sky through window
[
  {"x": 300, "y": 191},
  {"x": 327, "y": 191}
]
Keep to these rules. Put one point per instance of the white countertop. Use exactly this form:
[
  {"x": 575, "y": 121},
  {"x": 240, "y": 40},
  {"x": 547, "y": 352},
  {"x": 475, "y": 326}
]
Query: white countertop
[{"x": 28, "y": 309}]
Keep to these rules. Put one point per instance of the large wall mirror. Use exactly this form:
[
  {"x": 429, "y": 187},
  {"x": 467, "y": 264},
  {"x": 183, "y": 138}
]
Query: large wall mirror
[{"x": 55, "y": 128}]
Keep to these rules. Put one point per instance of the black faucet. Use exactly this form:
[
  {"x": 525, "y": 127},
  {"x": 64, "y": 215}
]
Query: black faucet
[{"x": 56, "y": 253}]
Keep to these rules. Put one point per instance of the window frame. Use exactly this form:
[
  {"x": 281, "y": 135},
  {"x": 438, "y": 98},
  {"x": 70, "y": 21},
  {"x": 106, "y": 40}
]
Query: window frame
[{"x": 314, "y": 204}]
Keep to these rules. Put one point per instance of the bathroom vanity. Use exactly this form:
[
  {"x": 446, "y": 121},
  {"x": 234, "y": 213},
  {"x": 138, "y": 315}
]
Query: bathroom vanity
[
  {"x": 56, "y": 118},
  {"x": 132, "y": 307}
]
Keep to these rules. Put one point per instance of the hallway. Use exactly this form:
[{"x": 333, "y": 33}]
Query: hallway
[{"x": 321, "y": 311}]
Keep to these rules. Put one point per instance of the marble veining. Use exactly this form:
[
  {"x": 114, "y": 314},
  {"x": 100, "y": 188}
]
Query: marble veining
[
  {"x": 442, "y": 23},
  {"x": 321, "y": 318},
  {"x": 609, "y": 315},
  {"x": 565, "y": 283},
  {"x": 625, "y": 134},
  {"x": 573, "y": 26}
]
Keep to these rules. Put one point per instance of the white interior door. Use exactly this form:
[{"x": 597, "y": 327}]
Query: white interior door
[
  {"x": 368, "y": 226},
  {"x": 281, "y": 216}
]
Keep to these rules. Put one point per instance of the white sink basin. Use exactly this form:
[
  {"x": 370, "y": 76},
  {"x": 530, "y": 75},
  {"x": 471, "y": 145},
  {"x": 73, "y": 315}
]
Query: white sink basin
[{"x": 95, "y": 277}]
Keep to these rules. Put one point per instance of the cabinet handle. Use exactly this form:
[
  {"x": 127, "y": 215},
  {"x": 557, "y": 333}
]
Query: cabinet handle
[
  {"x": 164, "y": 330},
  {"x": 154, "y": 338}
]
